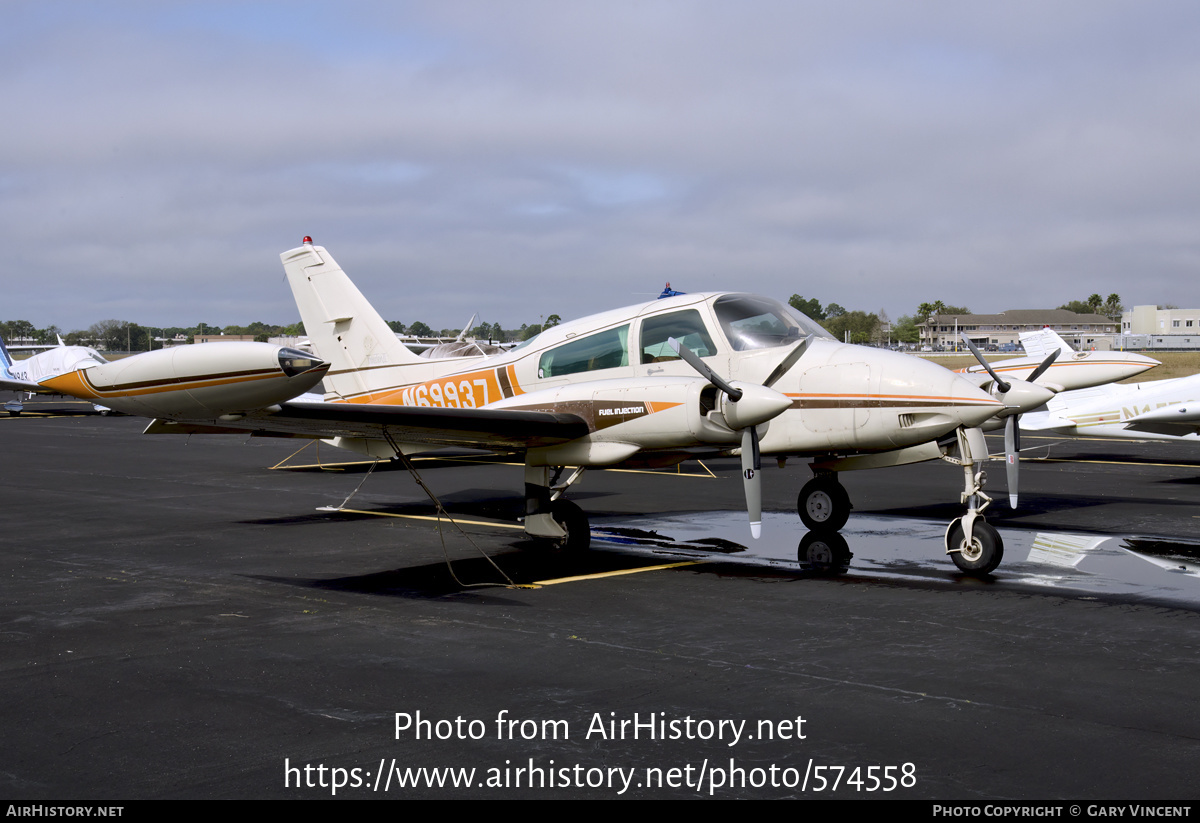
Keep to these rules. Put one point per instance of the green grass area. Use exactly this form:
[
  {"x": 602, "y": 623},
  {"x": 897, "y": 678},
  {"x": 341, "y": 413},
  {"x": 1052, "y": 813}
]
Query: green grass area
[{"x": 1174, "y": 364}]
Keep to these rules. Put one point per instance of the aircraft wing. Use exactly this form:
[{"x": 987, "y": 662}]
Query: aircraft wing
[
  {"x": 1178, "y": 419},
  {"x": 1045, "y": 421},
  {"x": 493, "y": 429},
  {"x": 12, "y": 384}
]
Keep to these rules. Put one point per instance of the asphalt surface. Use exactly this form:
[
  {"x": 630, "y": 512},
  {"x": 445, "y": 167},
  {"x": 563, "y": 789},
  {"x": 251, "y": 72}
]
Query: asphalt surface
[{"x": 180, "y": 621}]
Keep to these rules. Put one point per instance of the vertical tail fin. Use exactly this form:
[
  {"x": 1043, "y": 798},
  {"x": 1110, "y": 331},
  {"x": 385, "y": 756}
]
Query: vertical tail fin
[
  {"x": 343, "y": 327},
  {"x": 6, "y": 360}
]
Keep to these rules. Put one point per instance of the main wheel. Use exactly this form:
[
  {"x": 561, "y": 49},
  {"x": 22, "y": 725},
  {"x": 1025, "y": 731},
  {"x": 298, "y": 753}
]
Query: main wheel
[
  {"x": 823, "y": 504},
  {"x": 574, "y": 523},
  {"x": 984, "y": 553}
]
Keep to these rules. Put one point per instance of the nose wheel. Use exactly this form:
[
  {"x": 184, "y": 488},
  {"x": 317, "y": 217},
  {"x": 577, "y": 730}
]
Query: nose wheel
[
  {"x": 973, "y": 544},
  {"x": 981, "y": 554},
  {"x": 823, "y": 504}
]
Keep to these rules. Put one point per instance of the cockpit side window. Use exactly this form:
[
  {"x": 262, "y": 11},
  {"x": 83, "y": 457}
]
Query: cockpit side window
[
  {"x": 606, "y": 350},
  {"x": 751, "y": 322},
  {"x": 685, "y": 326}
]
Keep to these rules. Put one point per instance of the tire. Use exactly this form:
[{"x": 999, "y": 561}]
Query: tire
[
  {"x": 823, "y": 505},
  {"x": 983, "y": 555},
  {"x": 575, "y": 523}
]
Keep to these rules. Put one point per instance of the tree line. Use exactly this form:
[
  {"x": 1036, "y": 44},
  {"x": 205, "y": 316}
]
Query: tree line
[
  {"x": 873, "y": 328},
  {"x": 123, "y": 335}
]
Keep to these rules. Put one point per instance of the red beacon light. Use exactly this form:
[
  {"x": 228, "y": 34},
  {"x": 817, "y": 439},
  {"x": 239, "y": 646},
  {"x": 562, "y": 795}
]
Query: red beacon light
[{"x": 307, "y": 240}]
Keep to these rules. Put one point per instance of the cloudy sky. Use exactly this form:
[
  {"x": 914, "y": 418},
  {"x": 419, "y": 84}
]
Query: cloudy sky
[{"x": 520, "y": 159}]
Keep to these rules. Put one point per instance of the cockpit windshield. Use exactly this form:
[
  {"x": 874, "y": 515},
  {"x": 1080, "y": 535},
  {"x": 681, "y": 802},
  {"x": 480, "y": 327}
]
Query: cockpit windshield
[{"x": 752, "y": 322}]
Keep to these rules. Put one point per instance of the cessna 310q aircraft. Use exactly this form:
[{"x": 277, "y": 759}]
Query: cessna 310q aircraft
[{"x": 654, "y": 384}]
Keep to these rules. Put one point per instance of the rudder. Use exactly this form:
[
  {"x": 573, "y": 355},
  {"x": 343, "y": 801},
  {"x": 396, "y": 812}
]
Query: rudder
[{"x": 343, "y": 326}]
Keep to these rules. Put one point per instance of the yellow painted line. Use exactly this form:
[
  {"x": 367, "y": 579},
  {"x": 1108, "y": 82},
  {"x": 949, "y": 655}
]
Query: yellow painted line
[
  {"x": 39, "y": 415},
  {"x": 1090, "y": 438},
  {"x": 1109, "y": 462},
  {"x": 436, "y": 519},
  {"x": 617, "y": 573},
  {"x": 537, "y": 583}
]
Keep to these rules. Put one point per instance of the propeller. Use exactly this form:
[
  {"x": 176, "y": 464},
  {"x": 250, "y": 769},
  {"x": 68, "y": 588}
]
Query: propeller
[
  {"x": 745, "y": 407},
  {"x": 1027, "y": 395}
]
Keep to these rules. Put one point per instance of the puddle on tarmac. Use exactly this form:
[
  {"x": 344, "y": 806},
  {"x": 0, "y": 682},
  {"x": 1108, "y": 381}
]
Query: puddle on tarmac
[{"x": 1130, "y": 568}]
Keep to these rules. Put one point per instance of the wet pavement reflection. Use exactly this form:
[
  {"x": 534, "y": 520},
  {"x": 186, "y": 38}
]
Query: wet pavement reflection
[{"x": 1124, "y": 567}]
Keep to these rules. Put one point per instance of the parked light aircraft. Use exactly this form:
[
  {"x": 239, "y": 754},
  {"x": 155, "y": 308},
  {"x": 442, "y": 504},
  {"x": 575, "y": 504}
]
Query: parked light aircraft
[
  {"x": 1073, "y": 369},
  {"x": 653, "y": 384},
  {"x": 1154, "y": 410},
  {"x": 25, "y": 376}
]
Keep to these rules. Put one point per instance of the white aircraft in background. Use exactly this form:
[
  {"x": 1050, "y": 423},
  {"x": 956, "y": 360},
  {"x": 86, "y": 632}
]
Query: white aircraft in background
[
  {"x": 1072, "y": 369},
  {"x": 25, "y": 376},
  {"x": 649, "y": 385},
  {"x": 1051, "y": 366},
  {"x": 1153, "y": 410}
]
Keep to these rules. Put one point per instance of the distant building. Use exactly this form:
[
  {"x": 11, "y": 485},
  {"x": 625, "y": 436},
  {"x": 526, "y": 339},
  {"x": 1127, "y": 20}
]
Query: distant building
[
  {"x": 1083, "y": 331},
  {"x": 1153, "y": 320},
  {"x": 1149, "y": 327},
  {"x": 224, "y": 338}
]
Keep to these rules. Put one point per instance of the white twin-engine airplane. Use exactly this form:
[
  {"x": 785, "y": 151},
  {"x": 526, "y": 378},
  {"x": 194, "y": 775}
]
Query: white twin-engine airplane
[
  {"x": 1154, "y": 410},
  {"x": 652, "y": 385},
  {"x": 1071, "y": 369}
]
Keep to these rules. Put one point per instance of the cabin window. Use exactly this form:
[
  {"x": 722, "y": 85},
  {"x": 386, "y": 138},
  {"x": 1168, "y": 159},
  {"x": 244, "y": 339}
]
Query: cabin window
[
  {"x": 684, "y": 326},
  {"x": 606, "y": 350}
]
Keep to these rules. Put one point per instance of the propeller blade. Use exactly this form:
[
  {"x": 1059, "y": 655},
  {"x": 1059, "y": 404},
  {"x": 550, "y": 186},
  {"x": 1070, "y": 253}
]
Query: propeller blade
[
  {"x": 1012, "y": 454},
  {"x": 1045, "y": 364},
  {"x": 693, "y": 360},
  {"x": 759, "y": 405},
  {"x": 751, "y": 479},
  {"x": 786, "y": 364},
  {"x": 1000, "y": 384}
]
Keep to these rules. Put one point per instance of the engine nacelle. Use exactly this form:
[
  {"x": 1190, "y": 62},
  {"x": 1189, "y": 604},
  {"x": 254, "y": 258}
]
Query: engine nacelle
[
  {"x": 627, "y": 415},
  {"x": 197, "y": 382}
]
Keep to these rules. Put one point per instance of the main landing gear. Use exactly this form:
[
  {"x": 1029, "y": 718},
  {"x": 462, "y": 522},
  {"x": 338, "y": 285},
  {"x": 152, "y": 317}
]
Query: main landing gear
[
  {"x": 548, "y": 518},
  {"x": 823, "y": 503}
]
